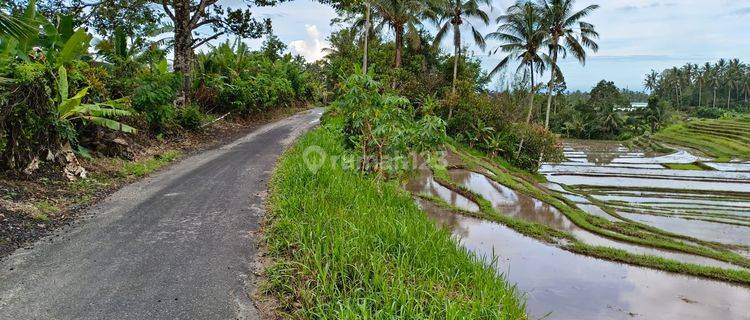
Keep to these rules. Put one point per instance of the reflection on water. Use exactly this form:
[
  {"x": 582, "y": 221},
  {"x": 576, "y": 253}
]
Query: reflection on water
[
  {"x": 518, "y": 205},
  {"x": 637, "y": 185},
  {"x": 509, "y": 202},
  {"x": 720, "y": 232},
  {"x": 425, "y": 184},
  {"x": 572, "y": 286}
]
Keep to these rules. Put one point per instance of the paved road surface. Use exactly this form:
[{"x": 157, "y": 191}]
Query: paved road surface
[{"x": 177, "y": 245}]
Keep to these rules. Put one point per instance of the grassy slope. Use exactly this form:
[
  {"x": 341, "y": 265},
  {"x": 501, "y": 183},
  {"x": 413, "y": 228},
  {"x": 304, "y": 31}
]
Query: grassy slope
[
  {"x": 721, "y": 138},
  {"x": 349, "y": 247}
]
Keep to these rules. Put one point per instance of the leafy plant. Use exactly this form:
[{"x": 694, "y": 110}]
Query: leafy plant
[
  {"x": 383, "y": 129},
  {"x": 101, "y": 114}
]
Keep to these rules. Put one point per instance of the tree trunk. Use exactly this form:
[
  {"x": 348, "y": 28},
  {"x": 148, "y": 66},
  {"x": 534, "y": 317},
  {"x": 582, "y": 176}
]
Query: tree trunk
[
  {"x": 729, "y": 96},
  {"x": 714, "y": 103},
  {"x": 551, "y": 81},
  {"x": 399, "y": 44},
  {"x": 531, "y": 93},
  {"x": 457, "y": 52},
  {"x": 367, "y": 37},
  {"x": 700, "y": 93},
  {"x": 183, "y": 49},
  {"x": 531, "y": 104}
]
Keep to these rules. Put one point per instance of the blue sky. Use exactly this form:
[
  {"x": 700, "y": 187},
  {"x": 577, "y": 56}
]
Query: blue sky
[{"x": 636, "y": 35}]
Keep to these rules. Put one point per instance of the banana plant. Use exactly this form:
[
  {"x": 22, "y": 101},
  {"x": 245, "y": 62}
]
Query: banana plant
[{"x": 101, "y": 114}]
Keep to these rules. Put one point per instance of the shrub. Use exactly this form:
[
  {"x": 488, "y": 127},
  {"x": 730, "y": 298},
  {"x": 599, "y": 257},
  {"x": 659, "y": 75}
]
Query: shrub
[
  {"x": 154, "y": 97},
  {"x": 382, "y": 129},
  {"x": 709, "y": 112},
  {"x": 190, "y": 117}
]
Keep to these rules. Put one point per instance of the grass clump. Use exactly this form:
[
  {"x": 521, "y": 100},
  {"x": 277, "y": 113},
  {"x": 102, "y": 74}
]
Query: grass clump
[
  {"x": 349, "y": 246},
  {"x": 683, "y": 166},
  {"x": 142, "y": 168}
]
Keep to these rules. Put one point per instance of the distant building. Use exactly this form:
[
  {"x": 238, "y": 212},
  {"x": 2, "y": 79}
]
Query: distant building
[{"x": 633, "y": 106}]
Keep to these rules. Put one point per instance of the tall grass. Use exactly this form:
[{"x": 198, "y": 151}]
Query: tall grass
[{"x": 347, "y": 246}]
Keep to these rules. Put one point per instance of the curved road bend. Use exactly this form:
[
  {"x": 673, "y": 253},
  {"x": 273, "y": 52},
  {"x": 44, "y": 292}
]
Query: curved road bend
[{"x": 176, "y": 245}]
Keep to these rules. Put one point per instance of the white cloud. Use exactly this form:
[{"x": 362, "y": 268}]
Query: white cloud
[{"x": 312, "y": 47}]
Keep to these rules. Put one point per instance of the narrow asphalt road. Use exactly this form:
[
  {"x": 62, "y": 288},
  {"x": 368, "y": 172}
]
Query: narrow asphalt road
[{"x": 177, "y": 245}]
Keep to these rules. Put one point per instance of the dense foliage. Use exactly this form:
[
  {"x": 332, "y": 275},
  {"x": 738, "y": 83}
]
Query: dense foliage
[
  {"x": 59, "y": 93},
  {"x": 606, "y": 113},
  {"x": 724, "y": 84},
  {"x": 383, "y": 129}
]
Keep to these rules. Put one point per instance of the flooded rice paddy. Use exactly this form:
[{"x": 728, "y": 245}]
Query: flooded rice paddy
[
  {"x": 711, "y": 205},
  {"x": 563, "y": 285}
]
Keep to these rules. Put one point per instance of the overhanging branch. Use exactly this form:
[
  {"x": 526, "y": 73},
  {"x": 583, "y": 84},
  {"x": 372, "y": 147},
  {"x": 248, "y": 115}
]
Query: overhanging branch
[{"x": 202, "y": 42}]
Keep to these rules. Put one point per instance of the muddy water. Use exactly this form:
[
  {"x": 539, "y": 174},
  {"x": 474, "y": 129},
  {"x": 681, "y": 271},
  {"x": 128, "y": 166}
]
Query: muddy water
[
  {"x": 425, "y": 184},
  {"x": 564, "y": 285},
  {"x": 518, "y": 205},
  {"x": 615, "y": 174}
]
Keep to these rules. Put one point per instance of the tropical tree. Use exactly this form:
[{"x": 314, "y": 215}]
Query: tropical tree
[
  {"x": 187, "y": 16},
  {"x": 700, "y": 79},
  {"x": 13, "y": 27},
  {"x": 403, "y": 17},
  {"x": 652, "y": 80},
  {"x": 567, "y": 33},
  {"x": 522, "y": 38},
  {"x": 452, "y": 15}
]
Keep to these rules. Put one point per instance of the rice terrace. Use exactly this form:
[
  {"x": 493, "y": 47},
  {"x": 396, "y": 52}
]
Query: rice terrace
[{"x": 374, "y": 159}]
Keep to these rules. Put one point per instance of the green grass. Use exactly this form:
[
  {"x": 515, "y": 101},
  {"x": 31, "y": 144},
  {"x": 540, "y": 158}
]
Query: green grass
[
  {"x": 142, "y": 168},
  {"x": 683, "y": 166},
  {"x": 719, "y": 138},
  {"x": 347, "y": 246}
]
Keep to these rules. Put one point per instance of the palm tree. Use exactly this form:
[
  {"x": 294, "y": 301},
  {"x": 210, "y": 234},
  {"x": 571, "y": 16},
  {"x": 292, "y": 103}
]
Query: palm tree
[
  {"x": 522, "y": 36},
  {"x": 701, "y": 78},
  {"x": 564, "y": 29},
  {"x": 719, "y": 73},
  {"x": 453, "y": 14},
  {"x": 652, "y": 81},
  {"x": 403, "y": 16},
  {"x": 732, "y": 77},
  {"x": 367, "y": 37},
  {"x": 18, "y": 28}
]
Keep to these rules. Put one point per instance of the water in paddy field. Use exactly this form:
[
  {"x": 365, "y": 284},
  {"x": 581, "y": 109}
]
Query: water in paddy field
[
  {"x": 564, "y": 285},
  {"x": 559, "y": 284},
  {"x": 711, "y": 205}
]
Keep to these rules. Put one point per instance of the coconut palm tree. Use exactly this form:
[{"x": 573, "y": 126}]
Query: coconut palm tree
[
  {"x": 15, "y": 27},
  {"x": 522, "y": 38},
  {"x": 367, "y": 37},
  {"x": 453, "y": 14},
  {"x": 652, "y": 81},
  {"x": 734, "y": 68},
  {"x": 403, "y": 17},
  {"x": 567, "y": 33},
  {"x": 718, "y": 78},
  {"x": 700, "y": 78}
]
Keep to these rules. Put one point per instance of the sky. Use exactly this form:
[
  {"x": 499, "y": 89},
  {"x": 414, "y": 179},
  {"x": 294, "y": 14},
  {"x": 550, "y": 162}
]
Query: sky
[{"x": 635, "y": 35}]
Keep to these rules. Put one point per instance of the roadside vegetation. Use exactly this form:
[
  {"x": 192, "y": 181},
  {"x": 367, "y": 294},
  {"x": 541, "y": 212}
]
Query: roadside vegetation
[
  {"x": 89, "y": 102},
  {"x": 354, "y": 246}
]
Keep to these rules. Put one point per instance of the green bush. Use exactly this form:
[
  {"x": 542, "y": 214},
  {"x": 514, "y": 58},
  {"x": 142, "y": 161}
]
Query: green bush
[
  {"x": 154, "y": 97},
  {"x": 709, "y": 112},
  {"x": 190, "y": 118},
  {"x": 383, "y": 129}
]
